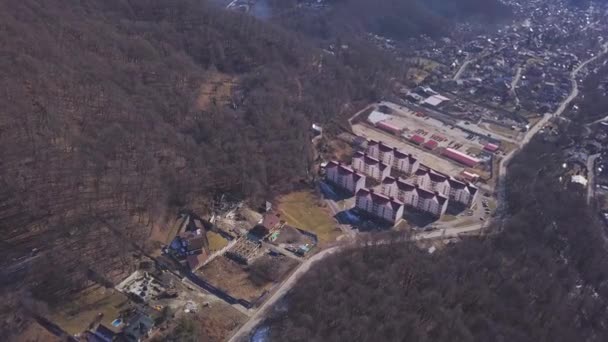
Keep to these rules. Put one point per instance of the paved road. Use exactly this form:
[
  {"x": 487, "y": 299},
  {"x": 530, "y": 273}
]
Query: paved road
[
  {"x": 591, "y": 174},
  {"x": 514, "y": 83},
  {"x": 502, "y": 170},
  {"x": 260, "y": 314},
  {"x": 246, "y": 329},
  {"x": 463, "y": 67}
]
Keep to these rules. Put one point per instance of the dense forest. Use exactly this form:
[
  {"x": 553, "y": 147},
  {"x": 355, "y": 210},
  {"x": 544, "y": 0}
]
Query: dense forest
[
  {"x": 396, "y": 19},
  {"x": 117, "y": 113},
  {"x": 544, "y": 278}
]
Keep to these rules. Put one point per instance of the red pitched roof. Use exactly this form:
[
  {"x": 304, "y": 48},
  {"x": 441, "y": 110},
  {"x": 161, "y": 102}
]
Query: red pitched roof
[
  {"x": 344, "y": 170},
  {"x": 388, "y": 180},
  {"x": 416, "y": 139},
  {"x": 491, "y": 147},
  {"x": 363, "y": 192},
  {"x": 460, "y": 157},
  {"x": 405, "y": 186},
  {"x": 472, "y": 188},
  {"x": 431, "y": 144},
  {"x": 384, "y": 147},
  {"x": 454, "y": 183},
  {"x": 437, "y": 177},
  {"x": 399, "y": 154}
]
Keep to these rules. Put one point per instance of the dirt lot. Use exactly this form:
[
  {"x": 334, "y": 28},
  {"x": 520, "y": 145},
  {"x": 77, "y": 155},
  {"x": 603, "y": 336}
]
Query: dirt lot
[
  {"x": 76, "y": 315},
  {"x": 233, "y": 278},
  {"x": 34, "y": 333},
  {"x": 290, "y": 235},
  {"x": 301, "y": 209}
]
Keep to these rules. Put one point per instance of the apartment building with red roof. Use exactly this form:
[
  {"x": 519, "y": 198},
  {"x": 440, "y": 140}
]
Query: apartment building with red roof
[
  {"x": 370, "y": 166},
  {"x": 380, "y": 206},
  {"x": 344, "y": 177},
  {"x": 462, "y": 192},
  {"x": 398, "y": 160},
  {"x": 432, "y": 180},
  {"x": 414, "y": 196}
]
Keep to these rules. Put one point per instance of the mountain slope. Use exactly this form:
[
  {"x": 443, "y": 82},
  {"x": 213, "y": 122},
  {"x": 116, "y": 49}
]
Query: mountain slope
[{"x": 117, "y": 113}]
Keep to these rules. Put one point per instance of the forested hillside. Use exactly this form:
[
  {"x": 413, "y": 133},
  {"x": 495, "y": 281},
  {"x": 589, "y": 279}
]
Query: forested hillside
[
  {"x": 114, "y": 114},
  {"x": 397, "y": 19},
  {"x": 544, "y": 278}
]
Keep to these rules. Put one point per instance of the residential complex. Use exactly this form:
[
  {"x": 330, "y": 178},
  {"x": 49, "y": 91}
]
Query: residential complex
[
  {"x": 432, "y": 180},
  {"x": 461, "y": 192},
  {"x": 414, "y": 196},
  {"x": 380, "y": 206},
  {"x": 344, "y": 177},
  {"x": 371, "y": 166},
  {"x": 423, "y": 188},
  {"x": 398, "y": 160}
]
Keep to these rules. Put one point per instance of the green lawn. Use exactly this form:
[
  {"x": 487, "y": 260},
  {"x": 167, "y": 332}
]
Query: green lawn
[{"x": 301, "y": 210}]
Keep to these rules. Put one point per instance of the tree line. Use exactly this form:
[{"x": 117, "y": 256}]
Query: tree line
[{"x": 543, "y": 278}]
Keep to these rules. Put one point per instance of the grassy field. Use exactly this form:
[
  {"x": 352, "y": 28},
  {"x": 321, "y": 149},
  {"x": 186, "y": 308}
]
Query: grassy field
[
  {"x": 301, "y": 209},
  {"x": 76, "y": 315},
  {"x": 216, "y": 241}
]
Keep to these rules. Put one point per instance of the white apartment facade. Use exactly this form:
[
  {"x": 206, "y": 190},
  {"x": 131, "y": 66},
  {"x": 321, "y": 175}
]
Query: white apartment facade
[
  {"x": 344, "y": 177},
  {"x": 380, "y": 206},
  {"x": 370, "y": 166},
  {"x": 412, "y": 195},
  {"x": 462, "y": 192},
  {"x": 432, "y": 180},
  {"x": 398, "y": 160}
]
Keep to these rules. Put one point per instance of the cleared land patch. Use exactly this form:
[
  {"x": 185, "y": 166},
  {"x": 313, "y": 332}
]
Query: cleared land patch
[{"x": 301, "y": 209}]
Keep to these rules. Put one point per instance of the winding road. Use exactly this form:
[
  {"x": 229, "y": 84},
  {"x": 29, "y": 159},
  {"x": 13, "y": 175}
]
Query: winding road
[
  {"x": 502, "y": 169},
  {"x": 288, "y": 284}
]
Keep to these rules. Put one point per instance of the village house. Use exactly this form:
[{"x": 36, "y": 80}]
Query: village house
[
  {"x": 344, "y": 177},
  {"x": 463, "y": 193},
  {"x": 380, "y": 206},
  {"x": 370, "y": 166},
  {"x": 430, "y": 179}
]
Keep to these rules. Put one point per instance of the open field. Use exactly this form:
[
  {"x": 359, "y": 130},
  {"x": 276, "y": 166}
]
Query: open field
[
  {"x": 501, "y": 130},
  {"x": 34, "y": 332},
  {"x": 216, "y": 241},
  {"x": 301, "y": 209},
  {"x": 76, "y": 315},
  {"x": 218, "y": 320},
  {"x": 233, "y": 278}
]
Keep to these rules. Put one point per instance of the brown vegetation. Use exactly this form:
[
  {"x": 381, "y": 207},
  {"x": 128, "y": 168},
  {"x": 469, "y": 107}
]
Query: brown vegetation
[
  {"x": 105, "y": 133},
  {"x": 544, "y": 278}
]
